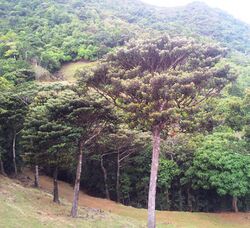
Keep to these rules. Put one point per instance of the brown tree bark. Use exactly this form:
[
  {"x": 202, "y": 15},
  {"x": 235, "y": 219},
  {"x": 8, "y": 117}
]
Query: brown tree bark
[
  {"x": 153, "y": 177},
  {"x": 118, "y": 200},
  {"x": 36, "y": 182},
  {"x": 105, "y": 176},
  {"x": 14, "y": 153},
  {"x": 2, "y": 167},
  {"x": 55, "y": 190},
  {"x": 77, "y": 182},
  {"x": 235, "y": 204}
]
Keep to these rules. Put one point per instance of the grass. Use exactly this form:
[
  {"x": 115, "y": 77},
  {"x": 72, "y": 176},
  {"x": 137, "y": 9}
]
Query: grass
[
  {"x": 68, "y": 71},
  {"x": 28, "y": 207}
]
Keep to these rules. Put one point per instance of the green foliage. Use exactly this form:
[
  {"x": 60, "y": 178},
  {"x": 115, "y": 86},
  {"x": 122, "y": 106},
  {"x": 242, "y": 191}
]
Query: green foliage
[
  {"x": 168, "y": 169},
  {"x": 15, "y": 71},
  {"x": 58, "y": 31},
  {"x": 4, "y": 84},
  {"x": 14, "y": 104},
  {"x": 89, "y": 52},
  {"x": 159, "y": 81},
  {"x": 220, "y": 163},
  {"x": 154, "y": 80},
  {"x": 45, "y": 142}
]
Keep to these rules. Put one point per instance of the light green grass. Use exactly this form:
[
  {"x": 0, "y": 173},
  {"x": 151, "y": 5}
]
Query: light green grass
[
  {"x": 30, "y": 208},
  {"x": 69, "y": 70}
]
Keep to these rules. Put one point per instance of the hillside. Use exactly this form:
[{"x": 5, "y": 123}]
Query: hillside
[
  {"x": 196, "y": 18},
  {"x": 28, "y": 207},
  {"x": 141, "y": 107},
  {"x": 57, "y": 31}
]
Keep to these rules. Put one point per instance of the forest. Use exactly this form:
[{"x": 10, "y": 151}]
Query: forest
[{"x": 161, "y": 119}]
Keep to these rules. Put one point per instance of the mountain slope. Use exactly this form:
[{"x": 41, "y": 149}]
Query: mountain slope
[
  {"x": 55, "y": 31},
  {"x": 195, "y": 18},
  {"x": 214, "y": 23}
]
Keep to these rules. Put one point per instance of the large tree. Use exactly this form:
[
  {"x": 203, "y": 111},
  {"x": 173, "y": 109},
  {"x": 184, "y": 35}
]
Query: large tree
[{"x": 155, "y": 82}]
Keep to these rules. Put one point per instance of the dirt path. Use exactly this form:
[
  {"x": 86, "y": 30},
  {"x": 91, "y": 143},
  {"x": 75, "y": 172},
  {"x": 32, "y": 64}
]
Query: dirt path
[{"x": 177, "y": 219}]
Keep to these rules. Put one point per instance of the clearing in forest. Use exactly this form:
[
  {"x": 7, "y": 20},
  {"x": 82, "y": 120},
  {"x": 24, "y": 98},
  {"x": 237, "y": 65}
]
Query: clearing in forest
[{"x": 69, "y": 70}]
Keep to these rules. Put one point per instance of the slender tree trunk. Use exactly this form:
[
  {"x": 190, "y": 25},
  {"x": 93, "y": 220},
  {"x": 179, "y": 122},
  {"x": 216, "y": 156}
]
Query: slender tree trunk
[
  {"x": 180, "y": 200},
  {"x": 235, "y": 204},
  {"x": 153, "y": 177},
  {"x": 14, "y": 153},
  {"x": 105, "y": 176},
  {"x": 36, "y": 182},
  {"x": 195, "y": 202},
  {"x": 77, "y": 182},
  {"x": 167, "y": 199},
  {"x": 55, "y": 191},
  {"x": 2, "y": 167},
  {"x": 118, "y": 179},
  {"x": 189, "y": 199}
]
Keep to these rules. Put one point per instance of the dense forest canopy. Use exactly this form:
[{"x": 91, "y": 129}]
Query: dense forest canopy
[{"x": 181, "y": 73}]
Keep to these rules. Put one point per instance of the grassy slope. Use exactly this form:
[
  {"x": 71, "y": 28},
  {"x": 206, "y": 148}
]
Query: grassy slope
[
  {"x": 31, "y": 208},
  {"x": 28, "y": 207},
  {"x": 68, "y": 71},
  {"x": 67, "y": 74}
]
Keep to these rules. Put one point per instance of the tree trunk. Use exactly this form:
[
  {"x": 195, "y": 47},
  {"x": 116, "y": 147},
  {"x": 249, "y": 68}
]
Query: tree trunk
[
  {"x": 55, "y": 191},
  {"x": 105, "y": 176},
  {"x": 189, "y": 199},
  {"x": 14, "y": 153},
  {"x": 128, "y": 199},
  {"x": 36, "y": 182},
  {"x": 180, "y": 200},
  {"x": 118, "y": 179},
  {"x": 235, "y": 204},
  {"x": 77, "y": 182},
  {"x": 153, "y": 177},
  {"x": 167, "y": 199},
  {"x": 2, "y": 167}
]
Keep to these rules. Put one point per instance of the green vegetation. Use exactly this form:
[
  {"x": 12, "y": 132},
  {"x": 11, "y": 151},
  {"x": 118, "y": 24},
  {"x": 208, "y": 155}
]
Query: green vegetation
[
  {"x": 84, "y": 85},
  {"x": 157, "y": 83},
  {"x": 217, "y": 163}
]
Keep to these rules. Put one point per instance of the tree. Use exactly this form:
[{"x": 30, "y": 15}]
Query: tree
[
  {"x": 168, "y": 169},
  {"x": 2, "y": 170},
  {"x": 221, "y": 163},
  {"x": 87, "y": 118},
  {"x": 46, "y": 142},
  {"x": 13, "y": 109},
  {"x": 154, "y": 81},
  {"x": 127, "y": 144}
]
